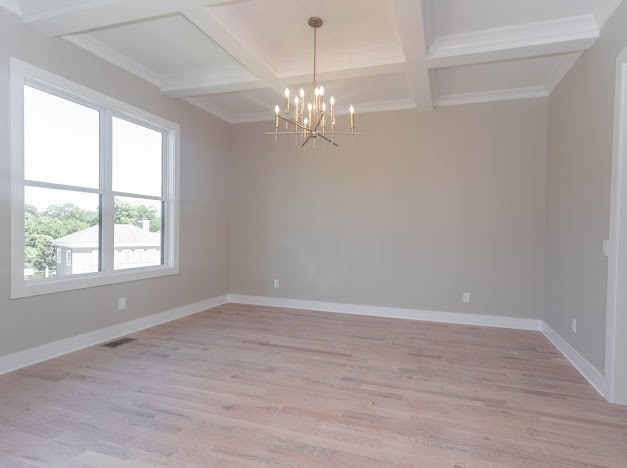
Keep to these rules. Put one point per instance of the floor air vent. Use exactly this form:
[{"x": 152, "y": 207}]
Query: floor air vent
[{"x": 120, "y": 342}]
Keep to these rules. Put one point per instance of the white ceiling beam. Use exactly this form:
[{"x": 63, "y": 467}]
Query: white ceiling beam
[
  {"x": 560, "y": 36},
  {"x": 199, "y": 88},
  {"x": 347, "y": 73},
  {"x": 12, "y": 5},
  {"x": 97, "y": 14},
  {"x": 226, "y": 39},
  {"x": 115, "y": 57},
  {"x": 491, "y": 96},
  {"x": 210, "y": 109},
  {"x": 411, "y": 32},
  {"x": 564, "y": 65},
  {"x": 605, "y": 10},
  {"x": 195, "y": 84}
]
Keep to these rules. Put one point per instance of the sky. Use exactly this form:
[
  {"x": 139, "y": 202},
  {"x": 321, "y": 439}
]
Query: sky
[{"x": 61, "y": 145}]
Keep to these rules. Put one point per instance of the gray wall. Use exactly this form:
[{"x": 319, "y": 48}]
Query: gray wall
[
  {"x": 25, "y": 323},
  {"x": 427, "y": 205},
  {"x": 578, "y": 194}
]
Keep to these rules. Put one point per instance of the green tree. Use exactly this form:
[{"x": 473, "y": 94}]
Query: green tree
[
  {"x": 41, "y": 228},
  {"x": 127, "y": 213}
]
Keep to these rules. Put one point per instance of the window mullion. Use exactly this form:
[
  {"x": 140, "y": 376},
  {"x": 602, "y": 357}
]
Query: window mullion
[{"x": 107, "y": 217}]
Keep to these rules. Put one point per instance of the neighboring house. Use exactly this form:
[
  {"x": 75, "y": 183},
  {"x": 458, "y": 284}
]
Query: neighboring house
[{"x": 134, "y": 247}]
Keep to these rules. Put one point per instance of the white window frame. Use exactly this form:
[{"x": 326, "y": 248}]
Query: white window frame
[
  {"x": 68, "y": 257},
  {"x": 22, "y": 73}
]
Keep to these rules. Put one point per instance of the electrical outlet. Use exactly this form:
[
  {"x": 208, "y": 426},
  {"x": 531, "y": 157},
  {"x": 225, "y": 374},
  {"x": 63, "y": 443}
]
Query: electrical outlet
[
  {"x": 466, "y": 297},
  {"x": 122, "y": 303},
  {"x": 276, "y": 284},
  {"x": 573, "y": 325}
]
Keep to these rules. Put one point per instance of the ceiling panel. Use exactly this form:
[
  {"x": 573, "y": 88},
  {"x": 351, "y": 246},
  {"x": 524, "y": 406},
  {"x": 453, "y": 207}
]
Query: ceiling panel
[
  {"x": 462, "y": 16},
  {"x": 233, "y": 58},
  {"x": 36, "y": 7},
  {"x": 252, "y": 101},
  {"x": 182, "y": 49},
  {"x": 380, "y": 88},
  {"x": 277, "y": 30},
  {"x": 485, "y": 77}
]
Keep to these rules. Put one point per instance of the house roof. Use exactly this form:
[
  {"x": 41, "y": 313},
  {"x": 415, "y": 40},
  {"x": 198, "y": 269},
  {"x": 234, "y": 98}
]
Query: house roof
[{"x": 125, "y": 235}]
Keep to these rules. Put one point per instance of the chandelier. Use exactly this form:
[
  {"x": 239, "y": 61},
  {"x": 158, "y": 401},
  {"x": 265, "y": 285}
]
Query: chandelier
[{"x": 316, "y": 119}]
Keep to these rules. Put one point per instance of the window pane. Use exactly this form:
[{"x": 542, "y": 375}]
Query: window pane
[
  {"x": 137, "y": 158},
  {"x": 61, "y": 140},
  {"x": 61, "y": 231},
  {"x": 137, "y": 233}
]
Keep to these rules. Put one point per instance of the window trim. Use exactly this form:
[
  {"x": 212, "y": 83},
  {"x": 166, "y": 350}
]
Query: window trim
[{"x": 22, "y": 73}]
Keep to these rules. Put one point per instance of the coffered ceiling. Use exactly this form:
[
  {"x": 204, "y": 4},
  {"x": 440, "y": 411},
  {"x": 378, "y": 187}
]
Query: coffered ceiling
[{"x": 233, "y": 58}]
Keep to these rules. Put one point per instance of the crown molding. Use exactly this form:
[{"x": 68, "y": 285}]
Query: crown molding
[
  {"x": 563, "y": 66},
  {"x": 210, "y": 109},
  {"x": 604, "y": 11},
  {"x": 561, "y": 35},
  {"x": 491, "y": 96},
  {"x": 114, "y": 57},
  {"x": 219, "y": 80}
]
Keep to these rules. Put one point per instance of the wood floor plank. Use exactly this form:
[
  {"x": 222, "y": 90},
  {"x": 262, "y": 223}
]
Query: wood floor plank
[{"x": 241, "y": 385}]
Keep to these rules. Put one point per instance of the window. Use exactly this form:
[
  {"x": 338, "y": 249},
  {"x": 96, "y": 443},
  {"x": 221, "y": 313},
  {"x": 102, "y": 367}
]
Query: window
[{"x": 91, "y": 175}]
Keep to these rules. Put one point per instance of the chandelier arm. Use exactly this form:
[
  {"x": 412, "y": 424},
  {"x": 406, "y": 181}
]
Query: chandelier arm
[
  {"x": 326, "y": 139},
  {"x": 306, "y": 140},
  {"x": 284, "y": 133},
  {"x": 293, "y": 122}
]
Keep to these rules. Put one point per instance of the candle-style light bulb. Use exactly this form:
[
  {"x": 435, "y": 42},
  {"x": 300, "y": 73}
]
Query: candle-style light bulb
[
  {"x": 316, "y": 100},
  {"x": 301, "y": 93},
  {"x": 332, "y": 102},
  {"x": 286, "y": 93},
  {"x": 276, "y": 117},
  {"x": 321, "y": 91},
  {"x": 351, "y": 109},
  {"x": 309, "y": 108},
  {"x": 296, "y": 102}
]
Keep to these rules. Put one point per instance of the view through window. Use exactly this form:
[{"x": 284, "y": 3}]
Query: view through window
[{"x": 69, "y": 202}]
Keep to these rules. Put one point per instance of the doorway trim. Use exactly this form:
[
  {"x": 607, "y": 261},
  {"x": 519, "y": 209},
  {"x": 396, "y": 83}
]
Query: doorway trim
[{"x": 616, "y": 318}]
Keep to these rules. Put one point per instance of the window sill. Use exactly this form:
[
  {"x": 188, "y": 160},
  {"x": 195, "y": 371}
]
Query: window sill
[{"x": 22, "y": 288}]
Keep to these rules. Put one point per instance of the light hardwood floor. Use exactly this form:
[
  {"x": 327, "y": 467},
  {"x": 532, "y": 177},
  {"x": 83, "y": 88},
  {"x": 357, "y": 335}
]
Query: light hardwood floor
[{"x": 243, "y": 385}]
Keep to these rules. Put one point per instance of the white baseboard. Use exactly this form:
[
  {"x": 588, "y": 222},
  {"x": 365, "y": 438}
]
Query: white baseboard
[
  {"x": 392, "y": 312},
  {"x": 31, "y": 356},
  {"x": 587, "y": 370}
]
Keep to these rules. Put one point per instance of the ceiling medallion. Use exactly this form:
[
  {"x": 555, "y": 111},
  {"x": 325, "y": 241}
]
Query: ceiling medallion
[{"x": 316, "y": 119}]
